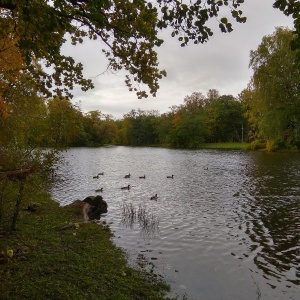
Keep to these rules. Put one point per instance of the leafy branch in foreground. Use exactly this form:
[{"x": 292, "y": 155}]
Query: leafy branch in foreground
[
  {"x": 292, "y": 8},
  {"x": 127, "y": 29}
]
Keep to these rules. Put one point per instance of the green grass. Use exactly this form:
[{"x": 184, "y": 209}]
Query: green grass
[
  {"x": 82, "y": 263},
  {"x": 237, "y": 146}
]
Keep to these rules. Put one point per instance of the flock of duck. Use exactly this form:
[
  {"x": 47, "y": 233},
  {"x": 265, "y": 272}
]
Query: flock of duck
[{"x": 128, "y": 186}]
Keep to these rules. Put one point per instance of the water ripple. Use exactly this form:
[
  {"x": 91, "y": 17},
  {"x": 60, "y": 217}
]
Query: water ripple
[{"x": 228, "y": 219}]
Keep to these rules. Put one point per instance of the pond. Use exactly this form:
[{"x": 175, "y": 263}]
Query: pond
[{"x": 226, "y": 226}]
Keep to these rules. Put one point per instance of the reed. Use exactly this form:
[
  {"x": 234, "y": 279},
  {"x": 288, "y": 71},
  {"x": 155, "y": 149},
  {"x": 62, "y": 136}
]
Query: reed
[{"x": 131, "y": 215}]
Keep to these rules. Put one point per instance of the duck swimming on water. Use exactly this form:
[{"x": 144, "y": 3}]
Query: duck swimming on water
[
  {"x": 127, "y": 176},
  {"x": 154, "y": 197},
  {"x": 170, "y": 176},
  {"x": 126, "y": 187},
  {"x": 143, "y": 177}
]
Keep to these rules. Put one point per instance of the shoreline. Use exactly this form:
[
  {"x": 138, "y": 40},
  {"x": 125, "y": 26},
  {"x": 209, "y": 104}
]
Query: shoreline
[
  {"x": 44, "y": 260},
  {"x": 218, "y": 146}
]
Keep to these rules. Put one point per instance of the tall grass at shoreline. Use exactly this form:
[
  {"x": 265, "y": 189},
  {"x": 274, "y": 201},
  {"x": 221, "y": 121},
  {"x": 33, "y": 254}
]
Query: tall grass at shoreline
[{"x": 147, "y": 222}]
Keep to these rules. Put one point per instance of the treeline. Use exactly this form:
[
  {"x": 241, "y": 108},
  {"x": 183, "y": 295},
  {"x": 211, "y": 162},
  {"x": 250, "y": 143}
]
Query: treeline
[
  {"x": 198, "y": 120},
  {"x": 266, "y": 113},
  {"x": 59, "y": 123}
]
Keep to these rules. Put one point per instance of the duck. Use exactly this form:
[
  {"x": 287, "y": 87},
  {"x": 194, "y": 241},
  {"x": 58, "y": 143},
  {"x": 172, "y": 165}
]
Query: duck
[
  {"x": 125, "y": 187},
  {"x": 96, "y": 177},
  {"x": 127, "y": 176},
  {"x": 102, "y": 173},
  {"x": 99, "y": 190},
  {"x": 154, "y": 197},
  {"x": 143, "y": 177},
  {"x": 170, "y": 176}
]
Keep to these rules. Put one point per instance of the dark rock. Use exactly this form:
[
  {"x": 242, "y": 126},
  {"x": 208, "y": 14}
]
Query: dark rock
[
  {"x": 80, "y": 208},
  {"x": 98, "y": 206}
]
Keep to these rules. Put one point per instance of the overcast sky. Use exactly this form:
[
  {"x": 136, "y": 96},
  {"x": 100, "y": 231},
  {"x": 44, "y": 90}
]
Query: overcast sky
[{"x": 221, "y": 63}]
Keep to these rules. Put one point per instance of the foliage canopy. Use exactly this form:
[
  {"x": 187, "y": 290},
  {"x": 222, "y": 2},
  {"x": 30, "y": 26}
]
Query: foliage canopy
[
  {"x": 128, "y": 31},
  {"x": 272, "y": 99}
]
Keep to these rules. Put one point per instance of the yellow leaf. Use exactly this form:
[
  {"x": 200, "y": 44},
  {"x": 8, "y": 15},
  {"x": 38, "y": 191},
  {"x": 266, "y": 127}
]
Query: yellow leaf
[{"x": 10, "y": 253}]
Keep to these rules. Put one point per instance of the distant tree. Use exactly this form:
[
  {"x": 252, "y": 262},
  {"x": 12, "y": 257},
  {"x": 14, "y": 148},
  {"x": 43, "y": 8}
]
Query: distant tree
[
  {"x": 224, "y": 118},
  {"x": 248, "y": 98},
  {"x": 190, "y": 132},
  {"x": 138, "y": 128},
  {"x": 163, "y": 128},
  {"x": 212, "y": 94},
  {"x": 194, "y": 104},
  {"x": 189, "y": 128},
  {"x": 100, "y": 128},
  {"x": 63, "y": 122}
]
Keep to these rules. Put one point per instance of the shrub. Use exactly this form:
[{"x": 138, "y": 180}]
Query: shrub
[
  {"x": 271, "y": 146},
  {"x": 255, "y": 145}
]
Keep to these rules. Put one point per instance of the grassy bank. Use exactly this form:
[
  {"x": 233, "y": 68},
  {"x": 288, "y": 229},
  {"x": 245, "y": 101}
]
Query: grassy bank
[
  {"x": 233, "y": 146},
  {"x": 80, "y": 262}
]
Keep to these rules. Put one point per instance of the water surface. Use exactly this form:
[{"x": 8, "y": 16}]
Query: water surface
[{"x": 228, "y": 223}]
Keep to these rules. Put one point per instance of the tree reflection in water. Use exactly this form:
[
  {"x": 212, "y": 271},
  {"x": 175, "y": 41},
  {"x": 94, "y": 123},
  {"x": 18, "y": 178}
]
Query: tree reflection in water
[{"x": 272, "y": 217}]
